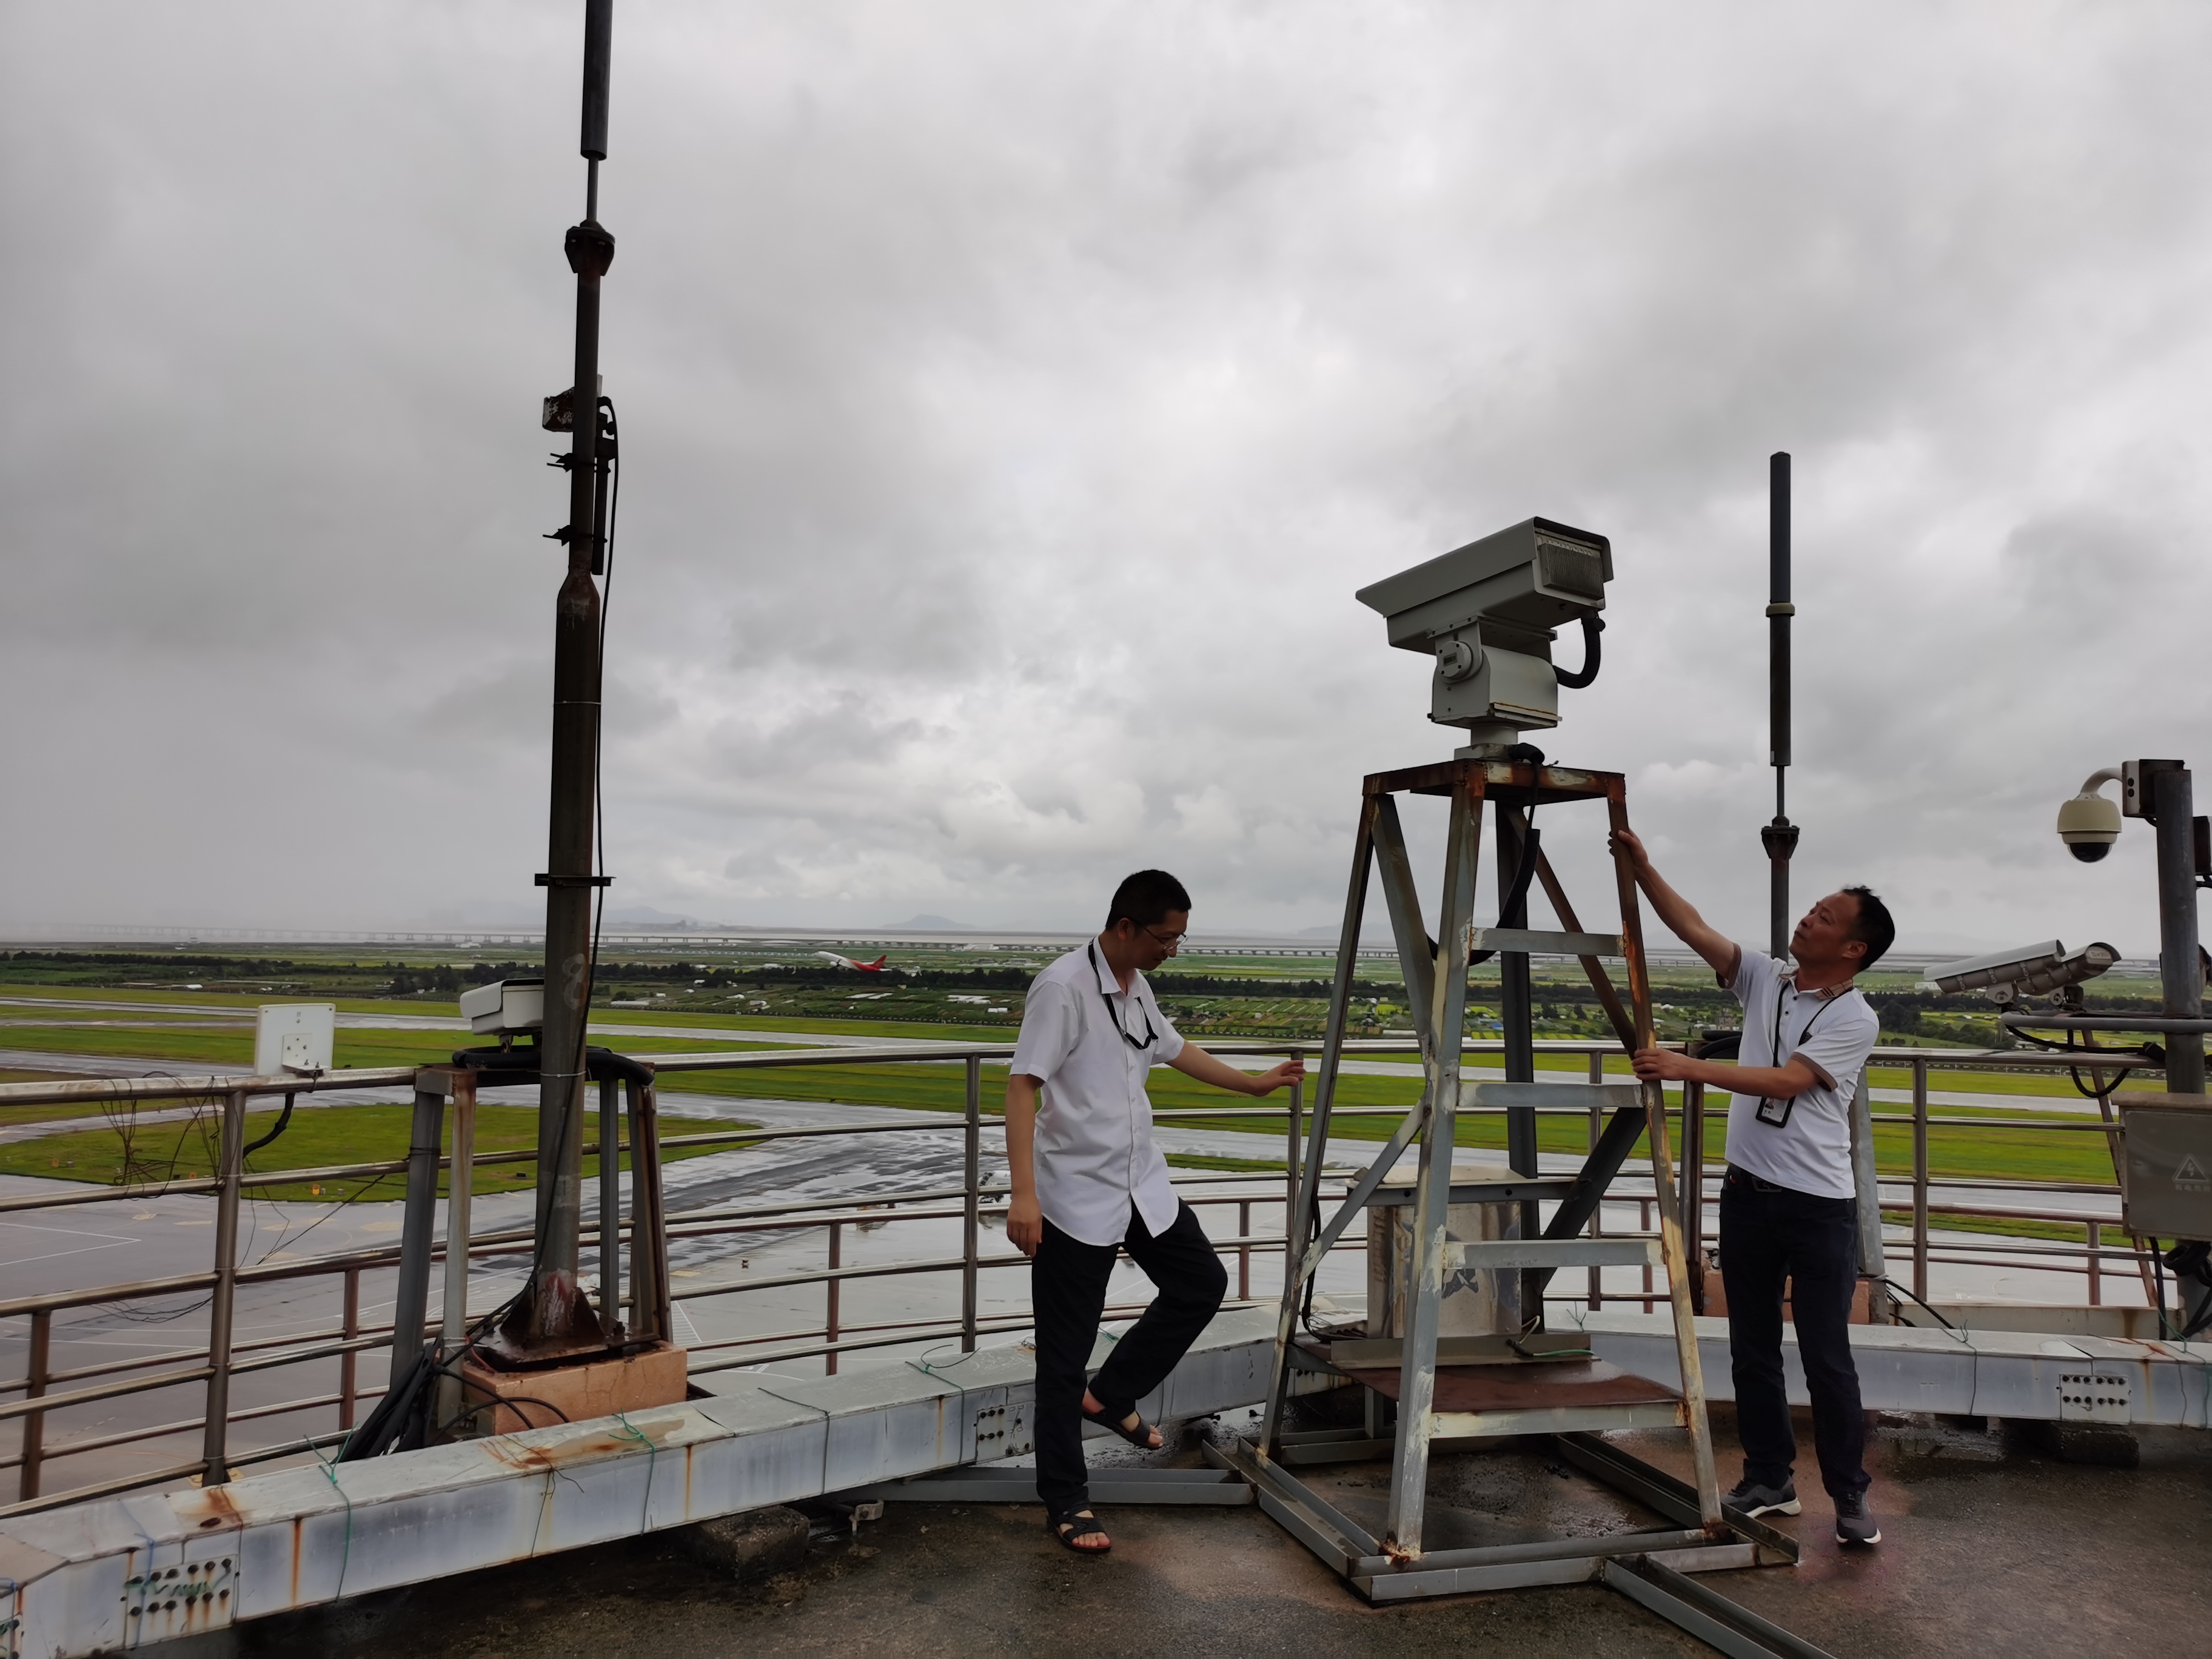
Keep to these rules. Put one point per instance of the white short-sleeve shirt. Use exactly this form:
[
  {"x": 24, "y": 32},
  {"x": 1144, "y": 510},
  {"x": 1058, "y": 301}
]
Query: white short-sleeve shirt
[
  {"x": 1835, "y": 1033},
  {"x": 1094, "y": 1152}
]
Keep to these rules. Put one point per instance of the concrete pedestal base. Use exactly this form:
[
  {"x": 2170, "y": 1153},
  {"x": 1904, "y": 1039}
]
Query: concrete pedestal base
[{"x": 598, "y": 1388}]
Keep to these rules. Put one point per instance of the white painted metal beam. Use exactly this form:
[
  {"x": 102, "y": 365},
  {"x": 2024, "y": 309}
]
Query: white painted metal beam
[
  {"x": 121, "y": 1573},
  {"x": 1973, "y": 1373},
  {"x": 125, "y": 1572}
]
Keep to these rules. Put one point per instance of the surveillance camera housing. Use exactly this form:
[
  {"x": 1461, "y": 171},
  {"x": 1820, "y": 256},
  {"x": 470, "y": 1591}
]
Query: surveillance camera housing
[
  {"x": 505, "y": 1006},
  {"x": 1487, "y": 614},
  {"x": 2090, "y": 822},
  {"x": 2030, "y": 970}
]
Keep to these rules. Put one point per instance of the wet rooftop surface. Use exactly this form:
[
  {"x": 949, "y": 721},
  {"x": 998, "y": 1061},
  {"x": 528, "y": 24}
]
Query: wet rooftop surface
[{"x": 1990, "y": 1545}]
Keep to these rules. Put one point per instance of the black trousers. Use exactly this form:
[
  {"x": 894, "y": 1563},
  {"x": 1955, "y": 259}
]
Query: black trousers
[
  {"x": 1770, "y": 1234},
  {"x": 1067, "y": 1283}
]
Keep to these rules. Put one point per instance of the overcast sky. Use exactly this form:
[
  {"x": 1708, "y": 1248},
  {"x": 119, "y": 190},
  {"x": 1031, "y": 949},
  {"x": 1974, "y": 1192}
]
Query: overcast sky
[{"x": 1013, "y": 396}]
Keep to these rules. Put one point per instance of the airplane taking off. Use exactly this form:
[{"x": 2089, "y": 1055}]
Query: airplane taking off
[{"x": 875, "y": 967}]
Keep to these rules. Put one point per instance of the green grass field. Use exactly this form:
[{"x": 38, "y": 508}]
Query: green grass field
[
  {"x": 52, "y": 1114},
  {"x": 2002, "y": 1225},
  {"x": 2071, "y": 1153},
  {"x": 317, "y": 1138},
  {"x": 47, "y": 1114},
  {"x": 233, "y": 1046}
]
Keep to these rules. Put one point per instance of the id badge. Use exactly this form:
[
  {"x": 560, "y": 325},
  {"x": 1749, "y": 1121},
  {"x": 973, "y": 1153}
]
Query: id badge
[{"x": 1775, "y": 1113}]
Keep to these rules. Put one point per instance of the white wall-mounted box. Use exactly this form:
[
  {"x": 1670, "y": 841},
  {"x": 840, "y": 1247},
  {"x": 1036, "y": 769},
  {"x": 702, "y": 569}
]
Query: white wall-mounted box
[{"x": 294, "y": 1036}]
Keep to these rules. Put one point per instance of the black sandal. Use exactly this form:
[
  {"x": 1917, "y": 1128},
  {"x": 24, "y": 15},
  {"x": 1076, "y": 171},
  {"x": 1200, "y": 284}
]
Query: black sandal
[
  {"x": 1140, "y": 1437},
  {"x": 1078, "y": 1523}
]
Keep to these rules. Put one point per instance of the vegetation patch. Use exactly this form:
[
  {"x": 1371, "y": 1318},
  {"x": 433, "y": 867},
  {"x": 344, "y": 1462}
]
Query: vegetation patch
[
  {"x": 2007, "y": 1226},
  {"x": 354, "y": 1050},
  {"x": 1210, "y": 1160},
  {"x": 127, "y": 1150}
]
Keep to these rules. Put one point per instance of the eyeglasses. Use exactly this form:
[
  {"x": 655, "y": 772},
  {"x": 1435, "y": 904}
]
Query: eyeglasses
[{"x": 1171, "y": 943}]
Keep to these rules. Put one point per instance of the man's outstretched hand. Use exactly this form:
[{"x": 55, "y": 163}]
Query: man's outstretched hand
[
  {"x": 1662, "y": 1065},
  {"x": 1291, "y": 1070},
  {"x": 1626, "y": 840},
  {"x": 1026, "y": 1224}
]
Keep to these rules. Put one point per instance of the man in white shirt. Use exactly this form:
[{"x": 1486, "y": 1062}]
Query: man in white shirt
[
  {"x": 1088, "y": 1183},
  {"x": 1788, "y": 1204}
]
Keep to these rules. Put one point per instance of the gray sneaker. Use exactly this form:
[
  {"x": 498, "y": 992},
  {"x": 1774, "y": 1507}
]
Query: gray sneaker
[
  {"x": 1751, "y": 1499},
  {"x": 1853, "y": 1524}
]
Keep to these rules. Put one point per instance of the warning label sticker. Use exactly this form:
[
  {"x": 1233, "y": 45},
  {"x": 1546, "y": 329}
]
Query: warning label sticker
[{"x": 2189, "y": 1176}]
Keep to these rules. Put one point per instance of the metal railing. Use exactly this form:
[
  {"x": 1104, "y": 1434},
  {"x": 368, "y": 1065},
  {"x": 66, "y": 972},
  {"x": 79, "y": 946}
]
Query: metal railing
[{"x": 43, "y": 1391}]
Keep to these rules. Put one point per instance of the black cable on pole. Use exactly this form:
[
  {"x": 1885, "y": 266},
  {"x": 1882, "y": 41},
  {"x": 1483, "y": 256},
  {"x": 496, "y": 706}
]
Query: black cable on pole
[
  {"x": 283, "y": 1118},
  {"x": 1932, "y": 1314},
  {"x": 1593, "y": 654}
]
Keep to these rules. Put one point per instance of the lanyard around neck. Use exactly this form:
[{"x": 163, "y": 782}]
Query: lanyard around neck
[
  {"x": 1106, "y": 997},
  {"x": 1774, "y": 1056}
]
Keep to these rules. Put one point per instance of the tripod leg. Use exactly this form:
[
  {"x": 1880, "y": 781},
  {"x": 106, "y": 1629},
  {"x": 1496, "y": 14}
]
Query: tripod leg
[
  {"x": 1417, "y": 959},
  {"x": 1299, "y": 1227},
  {"x": 1620, "y": 1135},
  {"x": 1416, "y": 953},
  {"x": 1515, "y": 999},
  {"x": 1517, "y": 1018},
  {"x": 1672, "y": 1251},
  {"x": 1607, "y": 997},
  {"x": 1417, "y": 1375}
]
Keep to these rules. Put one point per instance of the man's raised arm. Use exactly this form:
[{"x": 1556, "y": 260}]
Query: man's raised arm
[{"x": 1675, "y": 911}]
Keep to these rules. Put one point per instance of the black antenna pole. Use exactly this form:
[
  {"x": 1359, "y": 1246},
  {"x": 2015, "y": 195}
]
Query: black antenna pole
[
  {"x": 554, "y": 1319},
  {"x": 1779, "y": 837}
]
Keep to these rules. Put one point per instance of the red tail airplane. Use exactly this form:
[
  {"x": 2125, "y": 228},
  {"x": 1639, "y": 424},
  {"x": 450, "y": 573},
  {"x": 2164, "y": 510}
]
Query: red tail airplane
[{"x": 875, "y": 967}]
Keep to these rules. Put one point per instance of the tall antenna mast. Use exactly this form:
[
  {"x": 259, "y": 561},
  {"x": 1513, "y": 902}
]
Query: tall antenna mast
[
  {"x": 554, "y": 1319},
  {"x": 1779, "y": 837}
]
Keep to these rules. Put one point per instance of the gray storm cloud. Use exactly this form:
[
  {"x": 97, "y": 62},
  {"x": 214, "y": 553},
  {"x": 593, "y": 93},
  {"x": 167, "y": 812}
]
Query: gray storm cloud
[{"x": 1012, "y": 397}]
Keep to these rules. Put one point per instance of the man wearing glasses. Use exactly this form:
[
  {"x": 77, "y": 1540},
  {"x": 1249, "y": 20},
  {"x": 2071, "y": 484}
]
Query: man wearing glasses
[{"x": 1088, "y": 1183}]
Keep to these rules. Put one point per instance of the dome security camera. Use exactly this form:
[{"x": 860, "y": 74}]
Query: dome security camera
[{"x": 2090, "y": 822}]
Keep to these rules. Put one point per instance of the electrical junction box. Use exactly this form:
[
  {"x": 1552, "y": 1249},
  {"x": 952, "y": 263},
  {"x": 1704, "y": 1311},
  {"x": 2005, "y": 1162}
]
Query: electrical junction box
[
  {"x": 2166, "y": 1188},
  {"x": 1476, "y": 1301},
  {"x": 2138, "y": 788},
  {"x": 294, "y": 1036},
  {"x": 507, "y": 1005},
  {"x": 2090, "y": 1396}
]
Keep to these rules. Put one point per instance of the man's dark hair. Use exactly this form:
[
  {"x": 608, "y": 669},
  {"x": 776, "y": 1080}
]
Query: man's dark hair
[
  {"x": 1145, "y": 897},
  {"x": 1873, "y": 925}
]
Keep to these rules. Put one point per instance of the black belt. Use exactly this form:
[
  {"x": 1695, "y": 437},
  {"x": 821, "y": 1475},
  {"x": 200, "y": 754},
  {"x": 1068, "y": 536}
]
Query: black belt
[{"x": 1759, "y": 1184}]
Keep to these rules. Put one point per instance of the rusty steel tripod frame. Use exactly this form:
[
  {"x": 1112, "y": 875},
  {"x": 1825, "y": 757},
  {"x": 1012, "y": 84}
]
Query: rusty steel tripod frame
[{"x": 1436, "y": 973}]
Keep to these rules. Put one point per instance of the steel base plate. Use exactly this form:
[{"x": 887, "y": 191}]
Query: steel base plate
[{"x": 1649, "y": 1567}]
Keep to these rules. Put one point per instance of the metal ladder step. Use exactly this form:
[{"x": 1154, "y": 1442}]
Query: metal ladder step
[
  {"x": 1505, "y": 1253},
  {"x": 1538, "y": 942},
  {"x": 1580, "y": 1096},
  {"x": 1526, "y": 1190}
]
